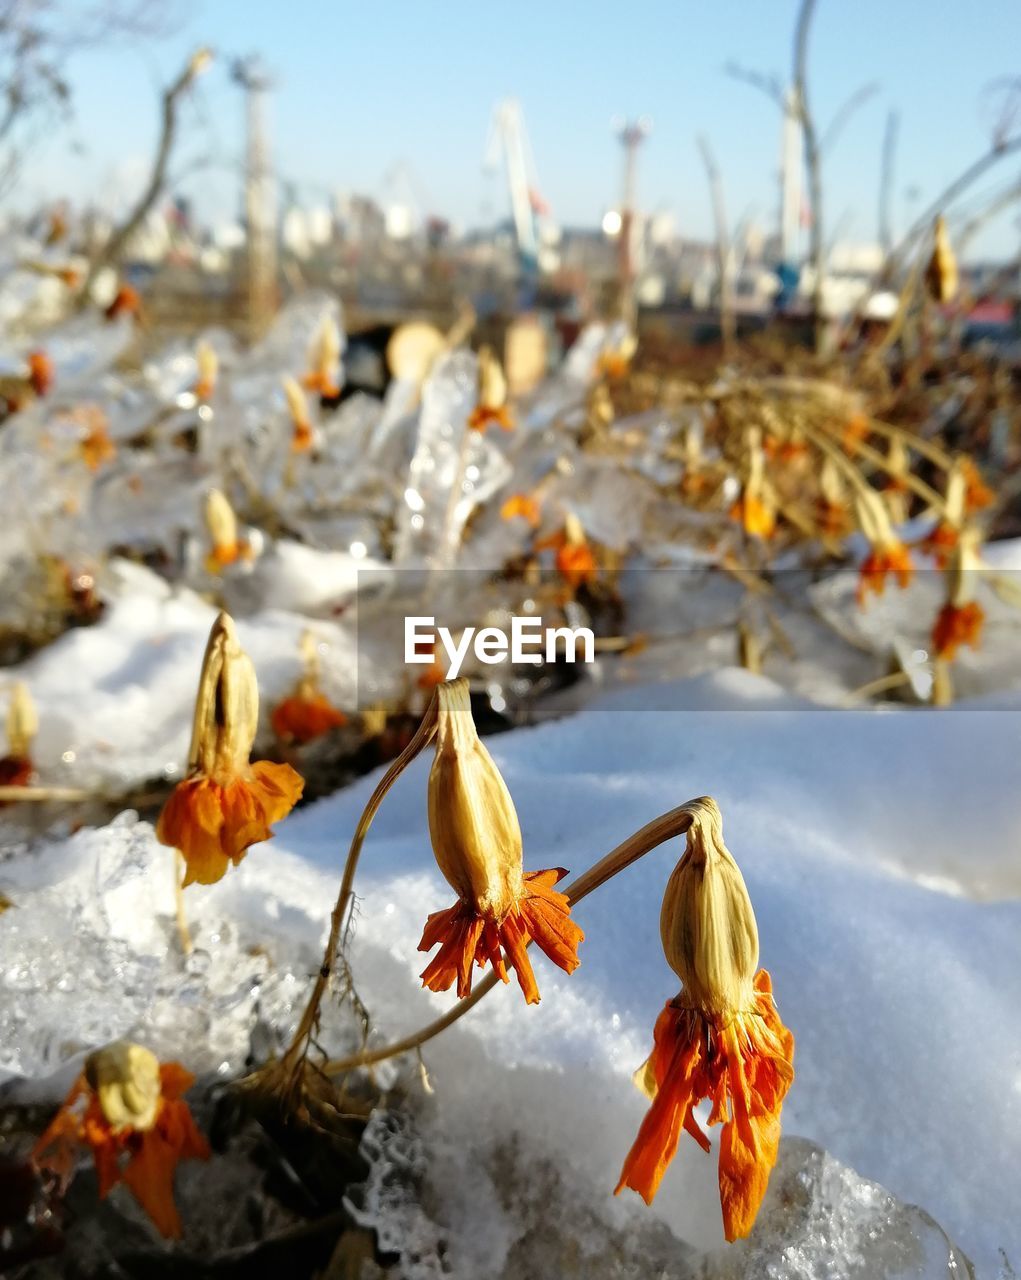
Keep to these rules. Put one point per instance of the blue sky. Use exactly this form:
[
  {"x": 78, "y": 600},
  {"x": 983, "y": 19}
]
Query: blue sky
[{"x": 361, "y": 87}]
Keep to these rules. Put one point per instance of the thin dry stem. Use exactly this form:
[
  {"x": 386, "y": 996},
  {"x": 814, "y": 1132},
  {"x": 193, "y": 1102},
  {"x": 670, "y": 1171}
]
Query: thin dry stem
[
  {"x": 298, "y": 1050},
  {"x": 665, "y": 827}
]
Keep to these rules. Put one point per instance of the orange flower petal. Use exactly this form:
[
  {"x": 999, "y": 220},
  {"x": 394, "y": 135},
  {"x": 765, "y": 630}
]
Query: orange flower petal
[
  {"x": 541, "y": 915},
  {"x": 303, "y": 718}
]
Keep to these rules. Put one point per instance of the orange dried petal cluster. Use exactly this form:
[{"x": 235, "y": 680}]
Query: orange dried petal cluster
[
  {"x": 977, "y": 495},
  {"x": 744, "y": 1067},
  {"x": 322, "y": 384},
  {"x": 213, "y": 823},
  {"x": 96, "y": 447},
  {"x": 126, "y": 301},
  {"x": 941, "y": 543},
  {"x": 892, "y": 559},
  {"x": 521, "y": 504},
  {"x": 469, "y": 936},
  {"x": 956, "y": 625},
  {"x": 483, "y": 416},
  {"x": 228, "y": 553},
  {"x": 856, "y": 432},
  {"x": 145, "y": 1160},
  {"x": 613, "y": 365},
  {"x": 833, "y": 518},
  {"x": 576, "y": 564},
  {"x": 40, "y": 372},
  {"x": 303, "y": 437},
  {"x": 755, "y": 517},
  {"x": 304, "y": 716}
]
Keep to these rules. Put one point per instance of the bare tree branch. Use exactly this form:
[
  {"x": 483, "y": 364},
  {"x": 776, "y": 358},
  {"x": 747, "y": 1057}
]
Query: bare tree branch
[
  {"x": 723, "y": 253},
  {"x": 769, "y": 85},
  {"x": 843, "y": 115},
  {"x": 813, "y": 167},
  {"x": 112, "y": 251}
]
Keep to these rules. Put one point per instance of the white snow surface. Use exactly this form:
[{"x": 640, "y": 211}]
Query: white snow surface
[{"x": 880, "y": 851}]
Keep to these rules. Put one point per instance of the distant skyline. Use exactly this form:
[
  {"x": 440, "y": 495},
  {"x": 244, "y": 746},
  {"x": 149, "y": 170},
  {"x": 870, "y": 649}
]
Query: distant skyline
[{"x": 362, "y": 90}]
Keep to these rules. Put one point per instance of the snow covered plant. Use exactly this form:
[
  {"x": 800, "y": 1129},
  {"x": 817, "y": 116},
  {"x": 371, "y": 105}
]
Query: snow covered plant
[{"x": 720, "y": 1039}]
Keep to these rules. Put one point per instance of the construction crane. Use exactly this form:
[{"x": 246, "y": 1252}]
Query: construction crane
[
  {"x": 507, "y": 134},
  {"x": 260, "y": 209}
]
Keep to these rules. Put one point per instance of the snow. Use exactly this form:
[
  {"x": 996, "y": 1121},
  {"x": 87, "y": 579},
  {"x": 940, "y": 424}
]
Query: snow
[{"x": 880, "y": 853}]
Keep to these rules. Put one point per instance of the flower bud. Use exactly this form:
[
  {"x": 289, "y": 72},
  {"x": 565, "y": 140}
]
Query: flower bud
[
  {"x": 126, "y": 1080},
  {"x": 941, "y": 275},
  {"x": 226, "y": 707},
  {"x": 473, "y": 825},
  {"x": 707, "y": 924}
]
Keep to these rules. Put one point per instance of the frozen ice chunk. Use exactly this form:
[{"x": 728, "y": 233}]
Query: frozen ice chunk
[{"x": 821, "y": 1221}]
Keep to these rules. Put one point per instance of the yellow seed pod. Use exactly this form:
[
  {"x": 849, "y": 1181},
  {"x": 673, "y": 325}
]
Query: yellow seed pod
[
  {"x": 22, "y": 721},
  {"x": 126, "y": 1080},
  {"x": 707, "y": 924},
  {"x": 473, "y": 825},
  {"x": 941, "y": 275},
  {"x": 226, "y": 706}
]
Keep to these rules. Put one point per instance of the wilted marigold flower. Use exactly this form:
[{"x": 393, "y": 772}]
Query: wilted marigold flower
[
  {"x": 887, "y": 554},
  {"x": 303, "y": 436},
  {"x": 755, "y": 509},
  {"x": 614, "y": 364},
  {"x": 222, "y": 526},
  {"x": 126, "y": 302},
  {"x": 574, "y": 560},
  {"x": 961, "y": 619},
  {"x": 477, "y": 842},
  {"x": 226, "y": 803},
  {"x": 491, "y": 409},
  {"x": 521, "y": 504},
  {"x": 40, "y": 372},
  {"x": 323, "y": 376},
  {"x": 95, "y": 445},
  {"x": 977, "y": 494},
  {"x": 207, "y": 364},
  {"x": 720, "y": 1039},
  {"x": 128, "y": 1109},
  {"x": 306, "y": 713}
]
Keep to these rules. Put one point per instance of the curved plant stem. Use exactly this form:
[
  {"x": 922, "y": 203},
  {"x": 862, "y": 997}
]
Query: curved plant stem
[
  {"x": 663, "y": 828},
  {"x": 298, "y": 1049},
  {"x": 183, "y": 931}
]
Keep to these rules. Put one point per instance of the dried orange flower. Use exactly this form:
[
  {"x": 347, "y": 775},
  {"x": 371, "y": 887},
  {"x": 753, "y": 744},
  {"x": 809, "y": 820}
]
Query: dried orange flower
[
  {"x": 492, "y": 403},
  {"x": 961, "y": 619},
  {"x": 95, "y": 445},
  {"x": 40, "y": 372},
  {"x": 613, "y": 365},
  {"x": 225, "y": 804},
  {"x": 306, "y": 713},
  {"x": 521, "y": 504},
  {"x": 477, "y": 842},
  {"x": 856, "y": 431},
  {"x": 721, "y": 1038},
  {"x": 755, "y": 510},
  {"x": 126, "y": 302},
  {"x": 324, "y": 360},
  {"x": 956, "y": 625},
  {"x": 941, "y": 274},
  {"x": 208, "y": 367},
  {"x": 574, "y": 560},
  {"x": 128, "y": 1108},
  {"x": 977, "y": 494},
  {"x": 303, "y": 436},
  {"x": 946, "y": 536},
  {"x": 887, "y": 554},
  {"x": 222, "y": 526}
]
